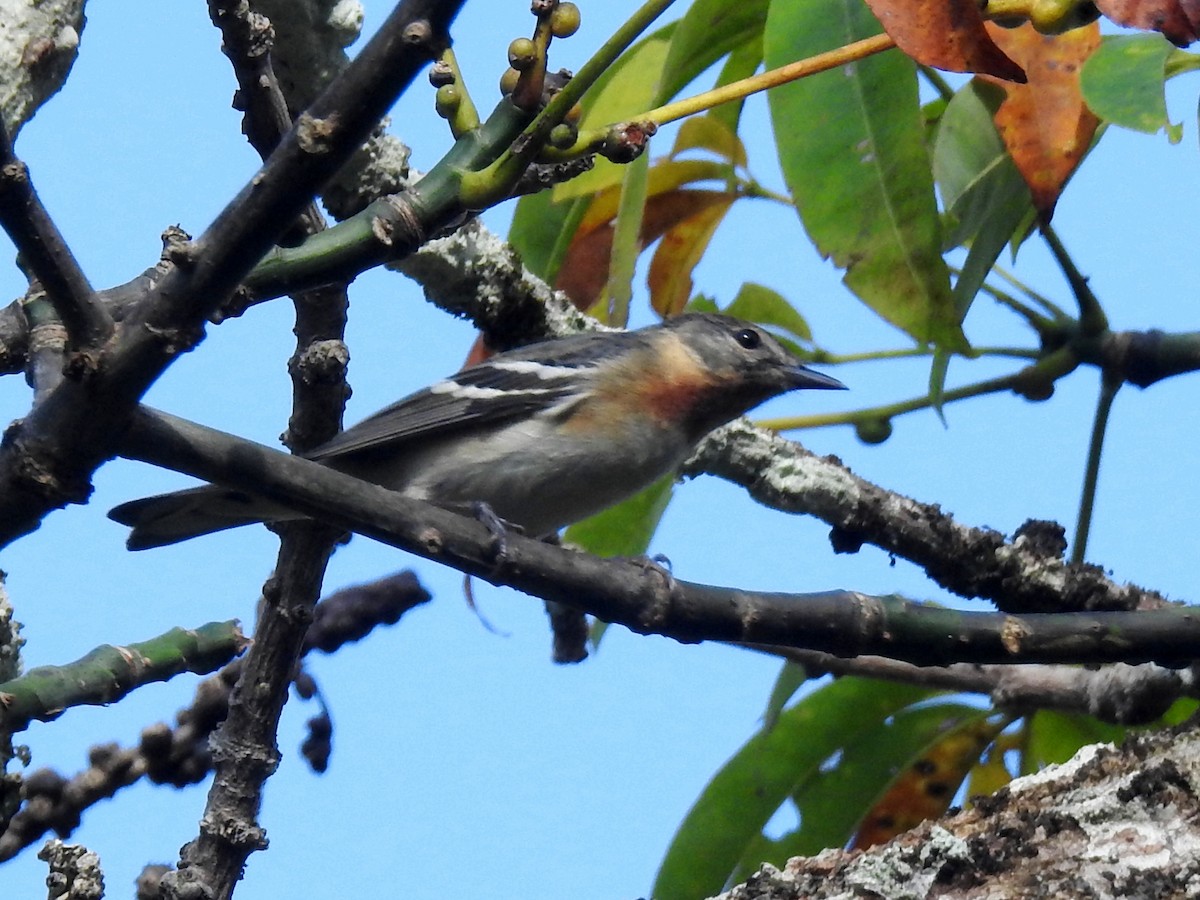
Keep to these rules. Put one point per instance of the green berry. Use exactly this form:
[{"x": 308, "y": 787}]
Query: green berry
[
  {"x": 447, "y": 100},
  {"x": 563, "y": 136},
  {"x": 564, "y": 21},
  {"x": 522, "y": 54},
  {"x": 508, "y": 81},
  {"x": 873, "y": 431}
]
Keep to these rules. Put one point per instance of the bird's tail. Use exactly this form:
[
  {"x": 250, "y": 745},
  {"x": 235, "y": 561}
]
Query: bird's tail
[{"x": 169, "y": 518}]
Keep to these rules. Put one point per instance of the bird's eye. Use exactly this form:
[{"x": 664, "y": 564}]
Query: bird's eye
[{"x": 748, "y": 338}]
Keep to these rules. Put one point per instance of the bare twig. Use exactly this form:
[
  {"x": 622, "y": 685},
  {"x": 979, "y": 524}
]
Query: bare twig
[
  {"x": 244, "y": 748},
  {"x": 44, "y": 252},
  {"x": 1121, "y": 694}
]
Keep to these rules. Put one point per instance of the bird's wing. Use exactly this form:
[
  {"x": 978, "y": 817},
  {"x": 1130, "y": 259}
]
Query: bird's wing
[{"x": 509, "y": 386}]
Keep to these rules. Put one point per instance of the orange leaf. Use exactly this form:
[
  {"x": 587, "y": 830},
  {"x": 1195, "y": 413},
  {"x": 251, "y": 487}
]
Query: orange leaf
[
  {"x": 584, "y": 271},
  {"x": 670, "y": 276},
  {"x": 926, "y": 789},
  {"x": 945, "y": 34},
  {"x": 1045, "y": 124},
  {"x": 1178, "y": 20}
]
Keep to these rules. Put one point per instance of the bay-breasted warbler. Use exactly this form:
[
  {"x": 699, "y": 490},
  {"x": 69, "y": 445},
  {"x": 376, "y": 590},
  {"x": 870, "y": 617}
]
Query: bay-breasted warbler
[{"x": 544, "y": 435}]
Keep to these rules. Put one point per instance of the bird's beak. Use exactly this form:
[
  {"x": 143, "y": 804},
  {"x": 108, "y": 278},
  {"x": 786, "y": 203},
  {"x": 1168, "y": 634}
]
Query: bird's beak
[{"x": 806, "y": 378}]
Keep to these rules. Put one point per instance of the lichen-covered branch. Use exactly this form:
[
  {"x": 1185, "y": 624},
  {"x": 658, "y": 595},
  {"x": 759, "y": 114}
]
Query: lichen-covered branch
[
  {"x": 1019, "y": 576},
  {"x": 1118, "y": 693},
  {"x": 1111, "y": 822}
]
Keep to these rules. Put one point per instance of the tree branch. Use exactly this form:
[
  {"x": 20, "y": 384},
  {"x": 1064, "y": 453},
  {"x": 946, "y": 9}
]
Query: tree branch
[
  {"x": 49, "y": 459},
  {"x": 1017, "y": 576},
  {"x": 180, "y": 755},
  {"x": 244, "y": 747},
  {"x": 1119, "y": 693},
  {"x": 840, "y": 622},
  {"x": 109, "y": 673},
  {"x": 45, "y": 253}
]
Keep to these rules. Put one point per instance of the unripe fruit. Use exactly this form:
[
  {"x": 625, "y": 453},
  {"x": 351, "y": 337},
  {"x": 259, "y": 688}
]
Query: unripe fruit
[
  {"x": 447, "y": 100},
  {"x": 508, "y": 81},
  {"x": 563, "y": 136},
  {"x": 564, "y": 21},
  {"x": 873, "y": 431},
  {"x": 522, "y": 54},
  {"x": 1057, "y": 16}
]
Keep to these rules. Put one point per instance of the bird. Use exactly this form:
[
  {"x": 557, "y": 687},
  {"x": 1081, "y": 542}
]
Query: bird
[{"x": 540, "y": 437}]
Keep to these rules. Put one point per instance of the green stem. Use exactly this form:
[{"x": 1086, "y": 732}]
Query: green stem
[
  {"x": 108, "y": 673},
  {"x": 794, "y": 71},
  {"x": 1044, "y": 372},
  {"x": 1040, "y": 323},
  {"x": 1046, "y": 303},
  {"x": 825, "y": 358},
  {"x": 510, "y": 163},
  {"x": 1083, "y": 526},
  {"x": 1092, "y": 319},
  {"x": 891, "y": 410}
]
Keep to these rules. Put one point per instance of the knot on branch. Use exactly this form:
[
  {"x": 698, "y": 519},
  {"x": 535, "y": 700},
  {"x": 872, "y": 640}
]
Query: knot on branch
[
  {"x": 321, "y": 362},
  {"x": 1042, "y": 538}
]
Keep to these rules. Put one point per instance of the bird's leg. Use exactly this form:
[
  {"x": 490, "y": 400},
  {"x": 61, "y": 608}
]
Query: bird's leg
[{"x": 497, "y": 528}]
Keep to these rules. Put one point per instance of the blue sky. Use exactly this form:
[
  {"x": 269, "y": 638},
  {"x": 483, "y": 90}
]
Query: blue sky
[{"x": 465, "y": 762}]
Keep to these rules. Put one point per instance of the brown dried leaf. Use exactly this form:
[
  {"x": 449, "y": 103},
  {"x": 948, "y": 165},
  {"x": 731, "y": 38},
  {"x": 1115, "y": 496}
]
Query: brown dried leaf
[
  {"x": 945, "y": 34},
  {"x": 927, "y": 788},
  {"x": 1045, "y": 124},
  {"x": 1178, "y": 20},
  {"x": 584, "y": 271}
]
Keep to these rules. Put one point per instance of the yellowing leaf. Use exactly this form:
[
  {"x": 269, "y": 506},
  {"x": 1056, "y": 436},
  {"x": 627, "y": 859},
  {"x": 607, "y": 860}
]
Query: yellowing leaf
[
  {"x": 679, "y": 251},
  {"x": 712, "y": 134}
]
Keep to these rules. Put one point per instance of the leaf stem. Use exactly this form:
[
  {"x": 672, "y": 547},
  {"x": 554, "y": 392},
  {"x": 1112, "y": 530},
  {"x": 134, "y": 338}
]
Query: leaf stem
[
  {"x": 784, "y": 74},
  {"x": 510, "y": 163},
  {"x": 1092, "y": 319},
  {"x": 1108, "y": 391},
  {"x": 890, "y": 410}
]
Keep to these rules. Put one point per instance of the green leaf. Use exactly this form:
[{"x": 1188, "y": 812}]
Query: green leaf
[
  {"x": 834, "y": 801},
  {"x": 937, "y": 383},
  {"x": 742, "y": 63},
  {"x": 767, "y": 307},
  {"x": 709, "y": 30},
  {"x": 852, "y": 147},
  {"x": 1123, "y": 82},
  {"x": 711, "y": 133},
  {"x": 735, "y": 806},
  {"x": 624, "y": 529},
  {"x": 541, "y": 231},
  {"x": 791, "y": 678},
  {"x": 1054, "y": 737},
  {"x": 981, "y": 187}
]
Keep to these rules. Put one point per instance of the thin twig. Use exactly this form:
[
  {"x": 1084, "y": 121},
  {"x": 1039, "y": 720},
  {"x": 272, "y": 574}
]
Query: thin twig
[
  {"x": 1087, "y": 499},
  {"x": 45, "y": 253}
]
